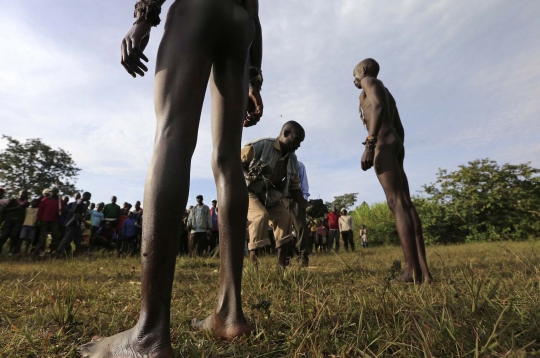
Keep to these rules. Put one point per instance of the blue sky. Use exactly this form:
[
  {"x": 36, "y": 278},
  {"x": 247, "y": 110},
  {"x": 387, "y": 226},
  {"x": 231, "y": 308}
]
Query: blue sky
[{"x": 465, "y": 75}]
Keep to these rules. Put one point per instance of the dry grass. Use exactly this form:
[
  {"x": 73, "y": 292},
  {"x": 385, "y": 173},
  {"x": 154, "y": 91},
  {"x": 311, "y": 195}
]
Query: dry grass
[{"x": 485, "y": 303}]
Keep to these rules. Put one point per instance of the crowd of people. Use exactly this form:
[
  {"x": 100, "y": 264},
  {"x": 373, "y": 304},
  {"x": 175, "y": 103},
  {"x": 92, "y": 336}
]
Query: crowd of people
[{"x": 28, "y": 222}]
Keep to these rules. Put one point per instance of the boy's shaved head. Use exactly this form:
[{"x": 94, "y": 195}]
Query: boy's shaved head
[{"x": 372, "y": 67}]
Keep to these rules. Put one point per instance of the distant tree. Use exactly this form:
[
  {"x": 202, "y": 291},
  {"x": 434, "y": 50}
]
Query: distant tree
[
  {"x": 343, "y": 201},
  {"x": 482, "y": 201},
  {"x": 34, "y": 166}
]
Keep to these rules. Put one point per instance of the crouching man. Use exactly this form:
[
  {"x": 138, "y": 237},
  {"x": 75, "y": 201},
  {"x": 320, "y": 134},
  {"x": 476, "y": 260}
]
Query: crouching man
[{"x": 271, "y": 171}]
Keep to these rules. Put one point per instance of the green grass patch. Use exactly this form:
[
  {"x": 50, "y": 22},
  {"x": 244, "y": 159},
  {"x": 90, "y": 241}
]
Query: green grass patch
[{"x": 485, "y": 303}]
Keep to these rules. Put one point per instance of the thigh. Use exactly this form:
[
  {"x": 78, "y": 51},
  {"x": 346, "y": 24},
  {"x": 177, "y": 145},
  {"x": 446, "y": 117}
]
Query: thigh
[
  {"x": 280, "y": 215},
  {"x": 389, "y": 173},
  {"x": 256, "y": 209}
]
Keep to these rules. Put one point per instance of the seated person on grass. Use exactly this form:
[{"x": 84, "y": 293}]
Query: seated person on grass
[{"x": 105, "y": 237}]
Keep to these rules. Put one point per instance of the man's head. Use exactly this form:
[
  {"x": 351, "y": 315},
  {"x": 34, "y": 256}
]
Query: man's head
[
  {"x": 292, "y": 134},
  {"x": 2, "y": 193},
  {"x": 343, "y": 211},
  {"x": 23, "y": 194},
  {"x": 199, "y": 199},
  {"x": 367, "y": 68},
  {"x": 113, "y": 200},
  {"x": 54, "y": 192},
  {"x": 86, "y": 196},
  {"x": 100, "y": 207},
  {"x": 46, "y": 192},
  {"x": 77, "y": 197},
  {"x": 334, "y": 209},
  {"x": 92, "y": 206},
  {"x": 35, "y": 203},
  {"x": 138, "y": 205},
  {"x": 130, "y": 215},
  {"x": 214, "y": 203}
]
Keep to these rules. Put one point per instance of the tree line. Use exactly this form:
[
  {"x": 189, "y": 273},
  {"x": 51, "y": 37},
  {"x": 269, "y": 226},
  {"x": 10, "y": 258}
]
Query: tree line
[{"x": 480, "y": 201}]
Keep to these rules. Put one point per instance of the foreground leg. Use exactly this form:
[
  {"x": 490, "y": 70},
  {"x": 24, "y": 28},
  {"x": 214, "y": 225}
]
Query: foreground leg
[
  {"x": 389, "y": 175},
  {"x": 419, "y": 232},
  {"x": 229, "y": 100},
  {"x": 182, "y": 74}
]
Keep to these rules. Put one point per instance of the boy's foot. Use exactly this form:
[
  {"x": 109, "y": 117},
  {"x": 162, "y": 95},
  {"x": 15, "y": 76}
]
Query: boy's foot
[
  {"x": 126, "y": 344},
  {"x": 224, "y": 328}
]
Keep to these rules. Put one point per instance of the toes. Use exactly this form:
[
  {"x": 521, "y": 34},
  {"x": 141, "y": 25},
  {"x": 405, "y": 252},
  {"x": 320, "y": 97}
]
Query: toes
[
  {"x": 197, "y": 324},
  {"x": 86, "y": 349}
]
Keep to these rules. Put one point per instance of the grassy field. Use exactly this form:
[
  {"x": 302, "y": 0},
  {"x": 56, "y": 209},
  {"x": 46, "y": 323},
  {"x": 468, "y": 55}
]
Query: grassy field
[{"x": 485, "y": 303}]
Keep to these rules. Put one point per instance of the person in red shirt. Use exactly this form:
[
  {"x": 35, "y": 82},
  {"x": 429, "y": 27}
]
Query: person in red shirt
[
  {"x": 48, "y": 218},
  {"x": 333, "y": 226}
]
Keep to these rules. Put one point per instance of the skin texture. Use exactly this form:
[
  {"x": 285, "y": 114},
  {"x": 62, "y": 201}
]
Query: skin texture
[
  {"x": 382, "y": 120},
  {"x": 203, "y": 39}
]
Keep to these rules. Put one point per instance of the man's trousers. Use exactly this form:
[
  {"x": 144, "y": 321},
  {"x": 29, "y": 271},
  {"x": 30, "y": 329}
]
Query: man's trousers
[
  {"x": 333, "y": 235},
  {"x": 11, "y": 230},
  {"x": 259, "y": 216},
  {"x": 46, "y": 228},
  {"x": 347, "y": 237},
  {"x": 71, "y": 233}
]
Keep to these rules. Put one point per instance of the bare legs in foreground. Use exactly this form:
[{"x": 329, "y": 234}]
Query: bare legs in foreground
[{"x": 183, "y": 69}]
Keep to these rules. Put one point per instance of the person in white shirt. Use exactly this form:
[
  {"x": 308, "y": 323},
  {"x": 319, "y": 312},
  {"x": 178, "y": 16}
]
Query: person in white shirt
[{"x": 346, "y": 228}]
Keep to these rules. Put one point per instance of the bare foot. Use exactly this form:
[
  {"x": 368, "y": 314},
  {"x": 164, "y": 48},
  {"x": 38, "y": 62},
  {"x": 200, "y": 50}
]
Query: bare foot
[
  {"x": 126, "y": 345},
  {"x": 222, "y": 328}
]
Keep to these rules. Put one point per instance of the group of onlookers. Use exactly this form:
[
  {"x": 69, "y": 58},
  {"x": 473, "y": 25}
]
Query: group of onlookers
[
  {"x": 327, "y": 231},
  {"x": 28, "y": 223}
]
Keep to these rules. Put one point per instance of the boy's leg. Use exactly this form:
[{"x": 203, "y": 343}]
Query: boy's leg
[
  {"x": 229, "y": 89},
  {"x": 182, "y": 72}
]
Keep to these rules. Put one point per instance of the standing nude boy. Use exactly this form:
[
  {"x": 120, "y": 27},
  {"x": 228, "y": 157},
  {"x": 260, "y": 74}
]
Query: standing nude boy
[
  {"x": 385, "y": 151},
  {"x": 203, "y": 39}
]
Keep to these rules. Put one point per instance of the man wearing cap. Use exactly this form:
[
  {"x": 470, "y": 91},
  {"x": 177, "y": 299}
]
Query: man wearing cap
[
  {"x": 200, "y": 225},
  {"x": 346, "y": 228},
  {"x": 48, "y": 217},
  {"x": 214, "y": 239}
]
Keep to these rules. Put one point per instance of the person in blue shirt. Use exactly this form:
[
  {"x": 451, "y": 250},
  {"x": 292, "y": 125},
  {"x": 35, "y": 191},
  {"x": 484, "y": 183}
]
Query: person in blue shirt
[
  {"x": 96, "y": 217},
  {"x": 129, "y": 235},
  {"x": 300, "y": 219}
]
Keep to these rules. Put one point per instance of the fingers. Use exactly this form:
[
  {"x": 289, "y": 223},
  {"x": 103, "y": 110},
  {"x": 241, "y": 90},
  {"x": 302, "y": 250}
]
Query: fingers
[{"x": 131, "y": 58}]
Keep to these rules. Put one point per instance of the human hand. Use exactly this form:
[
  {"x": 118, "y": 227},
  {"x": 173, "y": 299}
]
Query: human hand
[
  {"x": 367, "y": 159},
  {"x": 133, "y": 46},
  {"x": 255, "y": 108}
]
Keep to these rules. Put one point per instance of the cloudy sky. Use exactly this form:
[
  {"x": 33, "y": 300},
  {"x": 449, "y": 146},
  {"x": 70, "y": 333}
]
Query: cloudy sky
[{"x": 465, "y": 75}]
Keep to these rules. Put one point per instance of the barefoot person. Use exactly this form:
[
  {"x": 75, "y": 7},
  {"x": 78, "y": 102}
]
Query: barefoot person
[
  {"x": 203, "y": 39},
  {"x": 385, "y": 151}
]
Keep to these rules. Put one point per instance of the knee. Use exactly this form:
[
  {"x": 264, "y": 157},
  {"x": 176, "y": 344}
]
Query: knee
[
  {"x": 221, "y": 161},
  {"x": 398, "y": 202}
]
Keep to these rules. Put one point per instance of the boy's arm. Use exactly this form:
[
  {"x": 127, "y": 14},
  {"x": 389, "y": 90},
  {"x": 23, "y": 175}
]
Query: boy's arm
[{"x": 255, "y": 104}]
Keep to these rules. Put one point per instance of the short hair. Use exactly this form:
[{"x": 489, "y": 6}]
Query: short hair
[
  {"x": 372, "y": 66},
  {"x": 295, "y": 126},
  {"x": 199, "y": 196}
]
